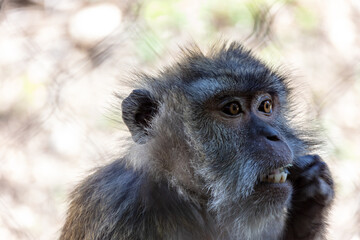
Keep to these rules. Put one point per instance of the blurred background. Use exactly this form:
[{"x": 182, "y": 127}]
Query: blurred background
[{"x": 62, "y": 60}]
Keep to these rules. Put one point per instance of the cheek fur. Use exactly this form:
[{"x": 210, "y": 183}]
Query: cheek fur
[{"x": 230, "y": 166}]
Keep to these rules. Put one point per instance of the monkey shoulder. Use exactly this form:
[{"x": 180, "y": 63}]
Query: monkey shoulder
[{"x": 117, "y": 202}]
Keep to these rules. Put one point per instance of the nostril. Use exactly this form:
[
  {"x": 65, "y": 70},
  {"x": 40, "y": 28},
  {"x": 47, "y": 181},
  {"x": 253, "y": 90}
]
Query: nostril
[
  {"x": 273, "y": 138},
  {"x": 270, "y": 133}
]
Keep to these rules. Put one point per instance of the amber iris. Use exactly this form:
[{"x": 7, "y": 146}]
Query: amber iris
[
  {"x": 266, "y": 106},
  {"x": 232, "y": 108}
]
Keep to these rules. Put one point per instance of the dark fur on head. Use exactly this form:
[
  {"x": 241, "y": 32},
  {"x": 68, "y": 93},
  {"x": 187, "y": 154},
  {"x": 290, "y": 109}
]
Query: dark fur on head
[{"x": 192, "y": 174}]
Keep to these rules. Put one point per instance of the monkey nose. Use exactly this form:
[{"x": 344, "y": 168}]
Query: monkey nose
[{"x": 270, "y": 133}]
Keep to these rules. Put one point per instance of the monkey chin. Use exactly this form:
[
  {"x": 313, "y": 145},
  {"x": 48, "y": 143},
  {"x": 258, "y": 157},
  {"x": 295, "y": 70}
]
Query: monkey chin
[{"x": 276, "y": 194}]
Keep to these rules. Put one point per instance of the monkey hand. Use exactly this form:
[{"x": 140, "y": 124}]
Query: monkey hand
[{"x": 313, "y": 192}]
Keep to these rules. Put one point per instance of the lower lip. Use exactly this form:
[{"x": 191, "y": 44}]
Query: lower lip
[
  {"x": 280, "y": 191},
  {"x": 270, "y": 184}
]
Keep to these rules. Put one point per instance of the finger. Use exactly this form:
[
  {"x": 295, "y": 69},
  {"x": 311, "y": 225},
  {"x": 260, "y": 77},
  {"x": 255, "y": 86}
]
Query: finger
[
  {"x": 324, "y": 194},
  {"x": 305, "y": 161},
  {"x": 300, "y": 165}
]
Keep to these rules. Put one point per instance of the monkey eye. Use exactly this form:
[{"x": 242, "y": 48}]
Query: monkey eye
[
  {"x": 232, "y": 109},
  {"x": 265, "y": 106}
]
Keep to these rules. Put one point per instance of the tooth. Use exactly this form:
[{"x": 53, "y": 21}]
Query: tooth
[
  {"x": 271, "y": 178},
  {"x": 278, "y": 177},
  {"x": 282, "y": 179},
  {"x": 285, "y": 176}
]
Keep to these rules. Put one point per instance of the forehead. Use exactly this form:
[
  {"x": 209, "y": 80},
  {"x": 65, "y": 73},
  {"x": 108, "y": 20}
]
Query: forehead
[
  {"x": 205, "y": 88},
  {"x": 225, "y": 69}
]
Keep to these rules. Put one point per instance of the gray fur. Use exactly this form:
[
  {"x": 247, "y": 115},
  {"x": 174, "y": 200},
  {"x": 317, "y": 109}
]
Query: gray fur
[{"x": 191, "y": 175}]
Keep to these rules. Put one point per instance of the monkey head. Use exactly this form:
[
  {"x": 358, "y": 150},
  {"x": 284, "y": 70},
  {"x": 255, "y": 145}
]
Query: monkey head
[{"x": 216, "y": 126}]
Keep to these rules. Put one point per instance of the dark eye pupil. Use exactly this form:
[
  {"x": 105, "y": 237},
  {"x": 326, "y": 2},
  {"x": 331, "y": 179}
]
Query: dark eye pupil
[{"x": 232, "y": 108}]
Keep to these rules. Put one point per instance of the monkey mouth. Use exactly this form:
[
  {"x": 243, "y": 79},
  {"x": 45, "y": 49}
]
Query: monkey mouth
[{"x": 278, "y": 175}]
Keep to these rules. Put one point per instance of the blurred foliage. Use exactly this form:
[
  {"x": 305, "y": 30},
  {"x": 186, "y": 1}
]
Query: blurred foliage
[
  {"x": 218, "y": 14},
  {"x": 306, "y": 19}
]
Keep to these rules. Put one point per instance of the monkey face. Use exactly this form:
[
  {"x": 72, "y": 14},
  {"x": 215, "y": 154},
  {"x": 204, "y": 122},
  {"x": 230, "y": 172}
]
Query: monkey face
[{"x": 240, "y": 126}]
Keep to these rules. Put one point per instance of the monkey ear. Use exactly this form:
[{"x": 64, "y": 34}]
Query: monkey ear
[{"x": 138, "y": 109}]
